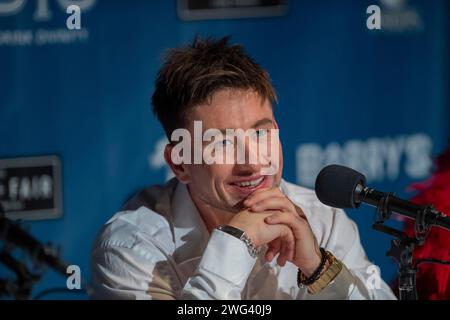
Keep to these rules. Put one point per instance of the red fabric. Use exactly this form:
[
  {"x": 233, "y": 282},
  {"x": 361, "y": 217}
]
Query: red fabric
[{"x": 433, "y": 280}]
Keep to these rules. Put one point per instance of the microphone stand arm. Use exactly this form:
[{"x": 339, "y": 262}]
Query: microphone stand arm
[{"x": 402, "y": 247}]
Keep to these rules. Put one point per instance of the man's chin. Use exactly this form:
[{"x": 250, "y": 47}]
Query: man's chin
[{"x": 235, "y": 204}]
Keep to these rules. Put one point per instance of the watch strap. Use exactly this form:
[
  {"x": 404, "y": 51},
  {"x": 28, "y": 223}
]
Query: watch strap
[{"x": 241, "y": 235}]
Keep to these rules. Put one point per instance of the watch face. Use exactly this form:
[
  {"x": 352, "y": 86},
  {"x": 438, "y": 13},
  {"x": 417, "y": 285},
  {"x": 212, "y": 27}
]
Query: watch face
[{"x": 235, "y": 232}]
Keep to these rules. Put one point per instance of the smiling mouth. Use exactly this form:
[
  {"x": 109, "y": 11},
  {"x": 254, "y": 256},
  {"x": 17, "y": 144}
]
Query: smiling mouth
[
  {"x": 248, "y": 186},
  {"x": 250, "y": 183}
]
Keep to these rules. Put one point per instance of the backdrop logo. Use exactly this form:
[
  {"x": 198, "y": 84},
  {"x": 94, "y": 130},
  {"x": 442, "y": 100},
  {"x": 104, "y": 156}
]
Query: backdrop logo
[
  {"x": 377, "y": 158},
  {"x": 34, "y": 33},
  {"x": 31, "y": 188},
  {"x": 398, "y": 16},
  {"x": 42, "y": 10}
]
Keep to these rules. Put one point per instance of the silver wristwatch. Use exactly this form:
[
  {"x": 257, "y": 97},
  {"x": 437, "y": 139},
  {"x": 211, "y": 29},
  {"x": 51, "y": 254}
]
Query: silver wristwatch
[{"x": 240, "y": 234}]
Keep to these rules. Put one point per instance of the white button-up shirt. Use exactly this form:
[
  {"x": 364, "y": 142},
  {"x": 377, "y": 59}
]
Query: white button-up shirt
[{"x": 159, "y": 248}]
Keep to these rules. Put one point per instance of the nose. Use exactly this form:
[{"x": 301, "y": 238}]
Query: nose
[{"x": 247, "y": 162}]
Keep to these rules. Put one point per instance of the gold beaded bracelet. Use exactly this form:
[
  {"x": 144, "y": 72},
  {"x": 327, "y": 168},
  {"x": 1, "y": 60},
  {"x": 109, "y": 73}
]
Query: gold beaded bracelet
[{"x": 327, "y": 275}]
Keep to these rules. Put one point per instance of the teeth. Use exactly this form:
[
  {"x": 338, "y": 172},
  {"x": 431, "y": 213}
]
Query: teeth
[{"x": 251, "y": 183}]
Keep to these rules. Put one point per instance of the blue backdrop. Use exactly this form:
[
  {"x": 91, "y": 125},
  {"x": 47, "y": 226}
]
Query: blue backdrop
[{"x": 377, "y": 100}]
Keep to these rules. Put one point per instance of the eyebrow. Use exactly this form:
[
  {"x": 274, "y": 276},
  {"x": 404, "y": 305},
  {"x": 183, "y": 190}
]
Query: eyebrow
[
  {"x": 262, "y": 122},
  {"x": 258, "y": 123}
]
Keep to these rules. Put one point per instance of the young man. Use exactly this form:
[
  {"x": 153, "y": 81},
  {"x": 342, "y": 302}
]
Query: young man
[{"x": 231, "y": 229}]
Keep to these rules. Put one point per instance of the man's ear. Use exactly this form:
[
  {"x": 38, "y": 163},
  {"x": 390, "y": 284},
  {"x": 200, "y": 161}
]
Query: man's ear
[{"x": 178, "y": 169}]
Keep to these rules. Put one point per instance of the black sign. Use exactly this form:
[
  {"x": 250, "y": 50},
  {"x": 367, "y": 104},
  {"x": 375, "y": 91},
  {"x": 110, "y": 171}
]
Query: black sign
[
  {"x": 30, "y": 188},
  {"x": 230, "y": 9}
]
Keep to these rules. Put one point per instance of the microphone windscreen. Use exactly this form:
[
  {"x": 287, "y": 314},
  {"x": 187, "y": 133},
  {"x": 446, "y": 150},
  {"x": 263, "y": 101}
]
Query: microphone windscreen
[{"x": 335, "y": 186}]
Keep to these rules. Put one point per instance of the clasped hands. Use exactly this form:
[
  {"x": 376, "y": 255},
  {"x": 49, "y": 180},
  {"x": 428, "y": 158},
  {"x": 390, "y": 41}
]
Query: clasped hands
[{"x": 271, "y": 218}]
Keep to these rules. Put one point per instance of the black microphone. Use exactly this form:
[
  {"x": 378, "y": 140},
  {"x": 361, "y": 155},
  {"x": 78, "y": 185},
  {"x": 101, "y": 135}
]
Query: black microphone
[
  {"x": 342, "y": 187},
  {"x": 13, "y": 234}
]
